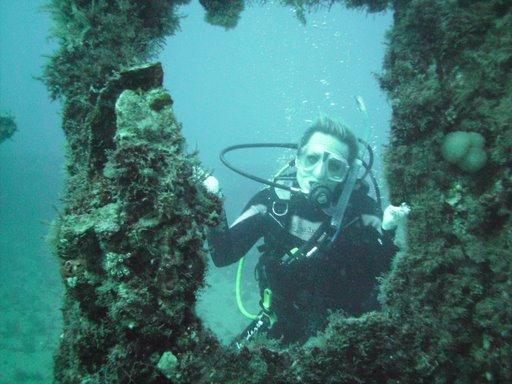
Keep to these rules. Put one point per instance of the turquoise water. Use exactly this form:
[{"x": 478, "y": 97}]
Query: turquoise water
[{"x": 261, "y": 82}]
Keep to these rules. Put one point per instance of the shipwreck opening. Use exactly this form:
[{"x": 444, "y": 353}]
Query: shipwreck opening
[{"x": 267, "y": 80}]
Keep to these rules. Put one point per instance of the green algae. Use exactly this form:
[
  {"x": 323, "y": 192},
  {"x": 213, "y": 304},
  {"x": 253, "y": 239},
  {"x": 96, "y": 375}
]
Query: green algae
[
  {"x": 7, "y": 126},
  {"x": 131, "y": 233},
  {"x": 224, "y": 13},
  {"x": 139, "y": 233}
]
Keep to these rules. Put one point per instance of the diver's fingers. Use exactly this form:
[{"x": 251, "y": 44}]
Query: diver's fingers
[
  {"x": 372, "y": 221},
  {"x": 394, "y": 215},
  {"x": 212, "y": 185}
]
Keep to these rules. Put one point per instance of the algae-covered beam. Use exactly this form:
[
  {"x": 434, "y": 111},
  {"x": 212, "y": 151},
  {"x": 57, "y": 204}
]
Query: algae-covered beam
[
  {"x": 130, "y": 236},
  {"x": 131, "y": 300}
]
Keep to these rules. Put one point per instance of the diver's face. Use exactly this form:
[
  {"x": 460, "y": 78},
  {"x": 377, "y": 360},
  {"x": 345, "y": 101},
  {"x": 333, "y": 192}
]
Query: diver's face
[{"x": 323, "y": 160}]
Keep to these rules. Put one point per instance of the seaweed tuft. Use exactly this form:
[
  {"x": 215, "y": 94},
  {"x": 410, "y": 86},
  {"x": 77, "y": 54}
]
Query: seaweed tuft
[{"x": 7, "y": 126}]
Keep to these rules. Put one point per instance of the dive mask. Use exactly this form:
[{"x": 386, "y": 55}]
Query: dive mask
[{"x": 318, "y": 166}]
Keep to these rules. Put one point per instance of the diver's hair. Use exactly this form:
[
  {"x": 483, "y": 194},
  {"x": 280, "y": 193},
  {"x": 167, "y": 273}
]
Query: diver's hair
[{"x": 335, "y": 129}]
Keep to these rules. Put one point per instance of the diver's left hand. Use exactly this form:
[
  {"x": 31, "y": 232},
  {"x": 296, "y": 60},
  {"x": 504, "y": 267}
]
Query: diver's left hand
[
  {"x": 372, "y": 221},
  {"x": 395, "y": 217}
]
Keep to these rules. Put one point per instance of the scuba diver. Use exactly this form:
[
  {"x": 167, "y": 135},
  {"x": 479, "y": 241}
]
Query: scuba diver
[{"x": 323, "y": 243}]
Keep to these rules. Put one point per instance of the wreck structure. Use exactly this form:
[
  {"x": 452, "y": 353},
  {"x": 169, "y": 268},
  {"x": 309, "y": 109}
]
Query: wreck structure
[
  {"x": 130, "y": 237},
  {"x": 7, "y": 126}
]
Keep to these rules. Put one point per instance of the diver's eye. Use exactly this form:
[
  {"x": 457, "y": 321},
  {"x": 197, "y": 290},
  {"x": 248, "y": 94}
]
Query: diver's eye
[
  {"x": 335, "y": 168},
  {"x": 311, "y": 159}
]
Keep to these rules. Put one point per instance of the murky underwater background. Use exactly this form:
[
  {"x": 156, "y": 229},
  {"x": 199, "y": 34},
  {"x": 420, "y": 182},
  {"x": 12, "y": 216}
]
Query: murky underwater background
[{"x": 261, "y": 82}]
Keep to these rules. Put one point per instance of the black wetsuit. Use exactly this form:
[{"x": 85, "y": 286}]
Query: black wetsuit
[{"x": 305, "y": 291}]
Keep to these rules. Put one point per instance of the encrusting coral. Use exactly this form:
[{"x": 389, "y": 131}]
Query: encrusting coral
[{"x": 466, "y": 149}]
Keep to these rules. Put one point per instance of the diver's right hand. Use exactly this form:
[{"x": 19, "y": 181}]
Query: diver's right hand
[{"x": 212, "y": 185}]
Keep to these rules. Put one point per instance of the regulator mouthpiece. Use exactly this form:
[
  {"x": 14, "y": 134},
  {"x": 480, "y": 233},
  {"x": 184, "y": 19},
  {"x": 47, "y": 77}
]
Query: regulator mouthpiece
[{"x": 320, "y": 196}]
